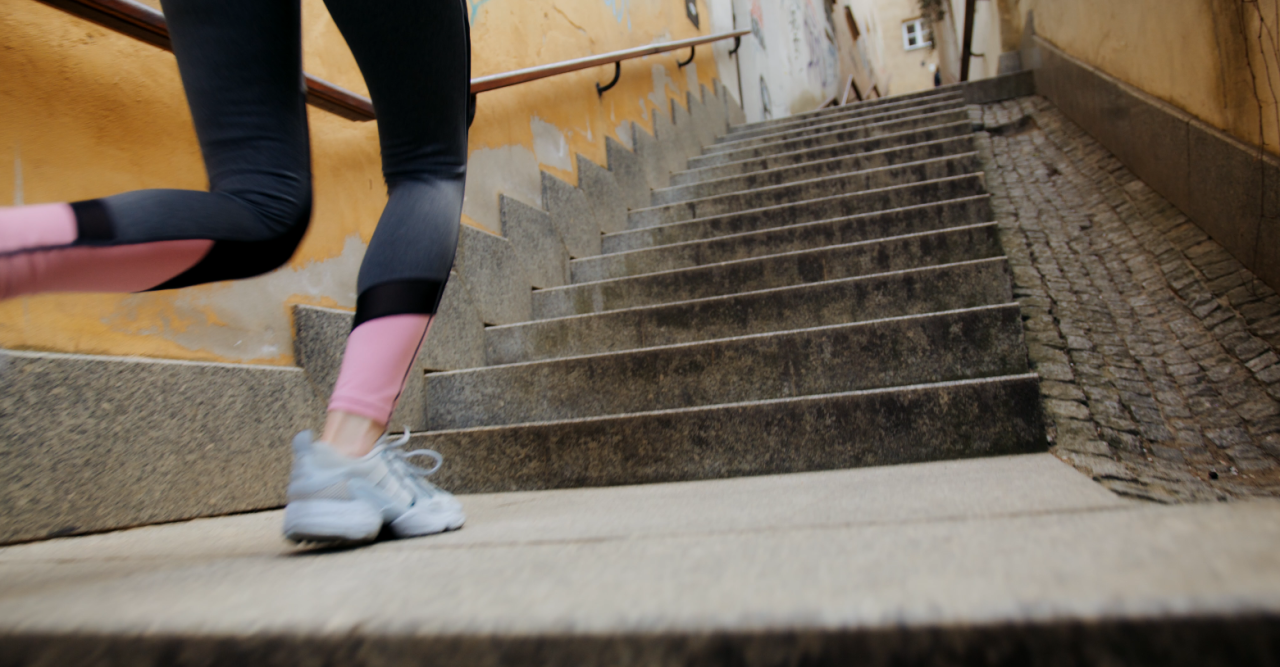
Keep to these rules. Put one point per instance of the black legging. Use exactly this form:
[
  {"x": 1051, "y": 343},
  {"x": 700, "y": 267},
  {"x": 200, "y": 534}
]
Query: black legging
[{"x": 241, "y": 65}]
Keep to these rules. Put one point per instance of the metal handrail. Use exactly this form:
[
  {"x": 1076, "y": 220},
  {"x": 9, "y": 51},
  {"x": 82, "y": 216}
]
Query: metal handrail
[
  {"x": 146, "y": 24},
  {"x": 494, "y": 81}
]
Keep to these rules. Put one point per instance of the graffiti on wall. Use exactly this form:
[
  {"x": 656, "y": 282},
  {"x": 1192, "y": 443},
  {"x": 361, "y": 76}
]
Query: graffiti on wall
[
  {"x": 810, "y": 29},
  {"x": 757, "y": 22},
  {"x": 621, "y": 10}
]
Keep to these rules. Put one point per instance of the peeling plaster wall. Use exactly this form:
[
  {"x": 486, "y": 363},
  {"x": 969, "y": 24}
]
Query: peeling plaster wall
[
  {"x": 790, "y": 64},
  {"x": 86, "y": 112}
]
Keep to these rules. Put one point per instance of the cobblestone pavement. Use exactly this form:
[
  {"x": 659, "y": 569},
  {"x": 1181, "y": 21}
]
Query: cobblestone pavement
[{"x": 1157, "y": 349}]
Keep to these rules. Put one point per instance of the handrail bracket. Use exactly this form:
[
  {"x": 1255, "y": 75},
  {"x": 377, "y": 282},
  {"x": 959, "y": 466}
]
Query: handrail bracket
[
  {"x": 617, "y": 72},
  {"x": 693, "y": 50},
  {"x": 737, "y": 43}
]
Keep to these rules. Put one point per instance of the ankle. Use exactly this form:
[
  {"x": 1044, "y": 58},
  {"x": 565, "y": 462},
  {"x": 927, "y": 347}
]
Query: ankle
[{"x": 351, "y": 434}]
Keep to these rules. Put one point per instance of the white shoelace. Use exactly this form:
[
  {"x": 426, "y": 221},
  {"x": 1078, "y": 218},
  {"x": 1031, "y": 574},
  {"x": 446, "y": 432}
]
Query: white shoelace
[{"x": 394, "y": 448}]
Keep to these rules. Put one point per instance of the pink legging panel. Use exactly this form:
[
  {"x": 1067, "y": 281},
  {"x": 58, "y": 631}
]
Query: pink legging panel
[{"x": 379, "y": 357}]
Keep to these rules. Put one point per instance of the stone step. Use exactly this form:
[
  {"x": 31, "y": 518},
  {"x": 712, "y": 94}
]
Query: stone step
[
  {"x": 806, "y": 266},
  {"x": 830, "y": 166},
  {"x": 917, "y": 349},
  {"x": 814, "y": 188},
  {"x": 828, "y": 138},
  {"x": 984, "y": 417},
  {"x": 818, "y": 114},
  {"x": 773, "y": 217},
  {"x": 913, "y": 291},
  {"x": 805, "y": 156},
  {"x": 747, "y": 131},
  {"x": 1015, "y": 560},
  {"x": 831, "y": 125},
  {"x": 864, "y": 227}
]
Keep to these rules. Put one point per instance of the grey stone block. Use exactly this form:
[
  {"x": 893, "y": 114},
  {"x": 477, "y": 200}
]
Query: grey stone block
[
  {"x": 717, "y": 114},
  {"x": 930, "y": 289},
  {"x": 772, "y": 217},
  {"x": 572, "y": 215},
  {"x": 494, "y": 276},
  {"x": 941, "y": 347},
  {"x": 830, "y": 263},
  {"x": 829, "y": 138},
  {"x": 878, "y": 427},
  {"x": 734, "y": 111},
  {"x": 1235, "y": 198},
  {"x": 608, "y": 203},
  {"x": 687, "y": 143},
  {"x": 456, "y": 338},
  {"x": 1131, "y": 124},
  {"x": 649, "y": 152},
  {"x": 909, "y": 220},
  {"x": 1010, "y": 63},
  {"x": 896, "y": 139},
  {"x": 96, "y": 443},
  {"x": 704, "y": 122},
  {"x": 1000, "y": 88},
  {"x": 536, "y": 242},
  {"x": 320, "y": 338},
  {"x": 629, "y": 172},
  {"x": 670, "y": 147},
  {"x": 813, "y": 188}
]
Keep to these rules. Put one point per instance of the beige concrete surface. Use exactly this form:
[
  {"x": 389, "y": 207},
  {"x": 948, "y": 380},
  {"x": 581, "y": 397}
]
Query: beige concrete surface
[{"x": 967, "y": 541}]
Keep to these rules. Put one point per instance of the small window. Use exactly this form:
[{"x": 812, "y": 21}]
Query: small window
[{"x": 913, "y": 35}]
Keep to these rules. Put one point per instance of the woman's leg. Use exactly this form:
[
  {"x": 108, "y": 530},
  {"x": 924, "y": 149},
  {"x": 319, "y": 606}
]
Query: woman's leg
[
  {"x": 240, "y": 62},
  {"x": 415, "y": 57}
]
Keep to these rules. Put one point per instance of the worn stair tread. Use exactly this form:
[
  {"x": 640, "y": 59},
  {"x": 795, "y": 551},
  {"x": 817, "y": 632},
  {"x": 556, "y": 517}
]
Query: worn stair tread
[
  {"x": 831, "y": 137},
  {"x": 800, "y": 157},
  {"x": 808, "y": 235},
  {"x": 794, "y": 213},
  {"x": 928, "y": 289},
  {"x": 892, "y": 565},
  {"x": 958, "y": 419},
  {"x": 741, "y": 131},
  {"x": 817, "y": 114},
  {"x": 836, "y": 165},
  {"x": 944, "y": 246},
  {"x": 834, "y": 124},
  {"x": 897, "y": 351},
  {"x": 928, "y": 169}
]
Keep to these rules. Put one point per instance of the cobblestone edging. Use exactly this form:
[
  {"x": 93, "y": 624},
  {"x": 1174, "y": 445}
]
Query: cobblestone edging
[{"x": 1157, "y": 349}]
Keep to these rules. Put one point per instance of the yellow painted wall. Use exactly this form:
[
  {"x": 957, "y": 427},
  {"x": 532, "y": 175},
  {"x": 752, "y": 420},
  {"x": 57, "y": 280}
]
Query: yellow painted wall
[
  {"x": 1214, "y": 59},
  {"x": 905, "y": 71},
  {"x": 86, "y": 112}
]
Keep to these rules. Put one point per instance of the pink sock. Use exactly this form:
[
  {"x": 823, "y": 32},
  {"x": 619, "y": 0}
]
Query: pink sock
[
  {"x": 378, "y": 359},
  {"x": 35, "y": 257}
]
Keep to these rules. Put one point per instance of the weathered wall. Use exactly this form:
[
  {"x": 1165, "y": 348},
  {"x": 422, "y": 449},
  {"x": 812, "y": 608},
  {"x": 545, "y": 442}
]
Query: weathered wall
[
  {"x": 1215, "y": 59},
  {"x": 790, "y": 64},
  {"x": 85, "y": 112},
  {"x": 905, "y": 71}
]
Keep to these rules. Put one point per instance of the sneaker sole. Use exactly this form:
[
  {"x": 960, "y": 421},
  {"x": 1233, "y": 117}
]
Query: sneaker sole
[{"x": 331, "y": 521}]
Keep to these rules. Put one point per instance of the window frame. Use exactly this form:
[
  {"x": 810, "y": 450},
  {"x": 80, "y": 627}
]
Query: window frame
[{"x": 919, "y": 35}]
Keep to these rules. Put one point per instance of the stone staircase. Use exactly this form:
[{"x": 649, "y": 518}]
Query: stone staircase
[
  {"x": 683, "y": 458},
  {"x": 815, "y": 293}
]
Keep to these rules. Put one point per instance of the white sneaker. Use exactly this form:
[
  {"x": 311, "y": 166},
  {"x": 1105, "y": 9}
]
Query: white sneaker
[{"x": 334, "y": 498}]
